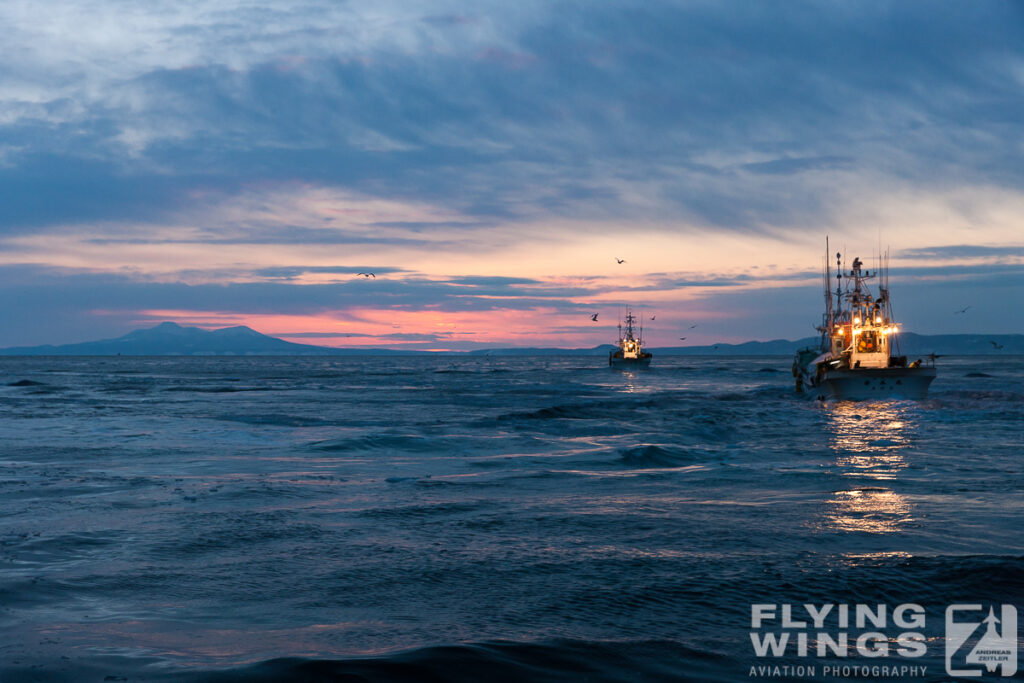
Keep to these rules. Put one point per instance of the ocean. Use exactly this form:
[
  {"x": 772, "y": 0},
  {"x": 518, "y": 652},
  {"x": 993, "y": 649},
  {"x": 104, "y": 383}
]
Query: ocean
[{"x": 468, "y": 518}]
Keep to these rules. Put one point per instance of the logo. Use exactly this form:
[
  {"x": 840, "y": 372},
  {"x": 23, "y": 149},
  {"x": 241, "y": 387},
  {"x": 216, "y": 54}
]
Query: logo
[
  {"x": 804, "y": 640},
  {"x": 976, "y": 643},
  {"x": 871, "y": 641}
]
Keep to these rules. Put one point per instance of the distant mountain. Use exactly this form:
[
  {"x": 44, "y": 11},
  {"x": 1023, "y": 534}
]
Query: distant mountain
[
  {"x": 910, "y": 344},
  {"x": 776, "y": 347},
  {"x": 601, "y": 350},
  {"x": 171, "y": 339}
]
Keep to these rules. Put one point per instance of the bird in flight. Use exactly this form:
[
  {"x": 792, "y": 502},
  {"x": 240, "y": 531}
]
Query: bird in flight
[
  {"x": 682, "y": 338},
  {"x": 962, "y": 310},
  {"x": 620, "y": 261},
  {"x": 692, "y": 326},
  {"x": 368, "y": 275},
  {"x": 594, "y": 317},
  {"x": 997, "y": 347},
  {"x": 653, "y": 317}
]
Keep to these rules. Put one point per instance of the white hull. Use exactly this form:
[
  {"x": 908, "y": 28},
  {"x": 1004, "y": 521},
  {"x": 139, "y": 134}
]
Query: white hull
[{"x": 874, "y": 384}]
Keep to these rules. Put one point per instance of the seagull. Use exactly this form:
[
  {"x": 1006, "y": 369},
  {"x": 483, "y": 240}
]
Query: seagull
[
  {"x": 682, "y": 338},
  {"x": 620, "y": 261},
  {"x": 962, "y": 310},
  {"x": 368, "y": 275},
  {"x": 997, "y": 347},
  {"x": 691, "y": 327},
  {"x": 594, "y": 317},
  {"x": 653, "y": 317}
]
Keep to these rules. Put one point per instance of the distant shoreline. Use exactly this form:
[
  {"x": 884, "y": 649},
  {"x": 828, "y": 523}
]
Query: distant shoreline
[
  {"x": 475, "y": 354},
  {"x": 172, "y": 339}
]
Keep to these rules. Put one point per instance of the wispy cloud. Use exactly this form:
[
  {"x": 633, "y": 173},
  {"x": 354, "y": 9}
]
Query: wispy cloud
[
  {"x": 962, "y": 251},
  {"x": 667, "y": 102},
  {"x": 249, "y": 158}
]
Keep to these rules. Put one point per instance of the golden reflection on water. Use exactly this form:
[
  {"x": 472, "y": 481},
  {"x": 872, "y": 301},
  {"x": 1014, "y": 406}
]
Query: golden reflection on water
[
  {"x": 868, "y": 440},
  {"x": 874, "y": 511}
]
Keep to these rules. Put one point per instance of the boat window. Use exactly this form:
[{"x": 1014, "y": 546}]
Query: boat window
[{"x": 867, "y": 342}]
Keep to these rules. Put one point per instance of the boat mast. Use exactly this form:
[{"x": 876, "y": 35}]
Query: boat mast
[
  {"x": 839, "y": 285},
  {"x": 827, "y": 322}
]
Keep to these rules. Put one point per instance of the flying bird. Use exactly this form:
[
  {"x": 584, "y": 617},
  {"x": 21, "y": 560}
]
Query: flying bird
[
  {"x": 692, "y": 326},
  {"x": 997, "y": 347},
  {"x": 653, "y": 317},
  {"x": 682, "y": 338},
  {"x": 368, "y": 275},
  {"x": 594, "y": 317},
  {"x": 962, "y": 310},
  {"x": 620, "y": 261}
]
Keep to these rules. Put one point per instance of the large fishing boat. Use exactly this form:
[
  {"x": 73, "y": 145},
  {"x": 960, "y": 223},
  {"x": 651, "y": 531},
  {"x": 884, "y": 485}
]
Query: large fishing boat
[
  {"x": 858, "y": 358},
  {"x": 631, "y": 346}
]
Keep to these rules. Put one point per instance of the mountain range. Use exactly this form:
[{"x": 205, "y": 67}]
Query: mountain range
[{"x": 171, "y": 339}]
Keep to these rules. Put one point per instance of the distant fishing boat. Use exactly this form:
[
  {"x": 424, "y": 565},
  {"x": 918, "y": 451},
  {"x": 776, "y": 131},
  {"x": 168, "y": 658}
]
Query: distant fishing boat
[
  {"x": 631, "y": 346},
  {"x": 858, "y": 358}
]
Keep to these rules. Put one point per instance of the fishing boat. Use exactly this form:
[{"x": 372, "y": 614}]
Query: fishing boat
[
  {"x": 630, "y": 353},
  {"x": 858, "y": 357}
]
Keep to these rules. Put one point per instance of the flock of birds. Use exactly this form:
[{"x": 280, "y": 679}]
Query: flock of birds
[
  {"x": 995, "y": 345},
  {"x": 593, "y": 316},
  {"x": 620, "y": 261}
]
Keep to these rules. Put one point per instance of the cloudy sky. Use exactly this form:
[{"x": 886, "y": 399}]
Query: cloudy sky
[{"x": 236, "y": 162}]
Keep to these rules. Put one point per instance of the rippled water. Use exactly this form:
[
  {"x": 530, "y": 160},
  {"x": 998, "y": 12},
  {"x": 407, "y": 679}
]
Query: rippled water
[{"x": 507, "y": 518}]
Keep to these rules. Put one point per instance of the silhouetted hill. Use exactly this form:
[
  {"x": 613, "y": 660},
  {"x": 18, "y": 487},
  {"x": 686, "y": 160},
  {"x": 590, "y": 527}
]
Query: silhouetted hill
[
  {"x": 171, "y": 339},
  {"x": 910, "y": 344}
]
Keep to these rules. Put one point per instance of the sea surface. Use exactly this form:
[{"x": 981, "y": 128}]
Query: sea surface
[{"x": 484, "y": 518}]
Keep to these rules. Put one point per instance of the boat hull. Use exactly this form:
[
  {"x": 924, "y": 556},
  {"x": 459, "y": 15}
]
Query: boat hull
[
  {"x": 876, "y": 383},
  {"x": 629, "y": 362}
]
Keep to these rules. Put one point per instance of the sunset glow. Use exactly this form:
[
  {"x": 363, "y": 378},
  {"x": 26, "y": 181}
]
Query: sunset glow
[{"x": 182, "y": 178}]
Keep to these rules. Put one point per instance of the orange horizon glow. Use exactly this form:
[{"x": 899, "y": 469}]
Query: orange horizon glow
[{"x": 385, "y": 328}]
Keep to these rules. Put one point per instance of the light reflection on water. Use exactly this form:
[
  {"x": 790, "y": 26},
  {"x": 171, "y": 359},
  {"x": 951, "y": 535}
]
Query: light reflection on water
[
  {"x": 873, "y": 511},
  {"x": 868, "y": 440}
]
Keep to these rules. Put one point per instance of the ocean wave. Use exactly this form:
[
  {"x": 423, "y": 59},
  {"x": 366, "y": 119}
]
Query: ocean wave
[
  {"x": 422, "y": 511},
  {"x": 651, "y": 455},
  {"x": 218, "y": 389},
  {"x": 278, "y": 420},
  {"x": 496, "y": 662},
  {"x": 380, "y": 442}
]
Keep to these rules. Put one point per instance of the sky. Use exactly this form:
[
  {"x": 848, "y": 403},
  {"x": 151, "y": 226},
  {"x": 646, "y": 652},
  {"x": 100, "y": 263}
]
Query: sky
[{"x": 239, "y": 163}]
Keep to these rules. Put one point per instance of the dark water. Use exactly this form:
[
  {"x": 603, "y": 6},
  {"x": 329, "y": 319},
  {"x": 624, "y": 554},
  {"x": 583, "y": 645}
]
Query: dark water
[{"x": 481, "y": 519}]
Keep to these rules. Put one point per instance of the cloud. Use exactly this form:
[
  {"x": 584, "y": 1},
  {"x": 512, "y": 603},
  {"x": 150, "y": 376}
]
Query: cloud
[
  {"x": 790, "y": 165},
  {"x": 624, "y": 110},
  {"x": 962, "y": 251},
  {"x": 395, "y": 336},
  {"x": 269, "y": 150},
  {"x": 82, "y": 306},
  {"x": 291, "y": 272}
]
